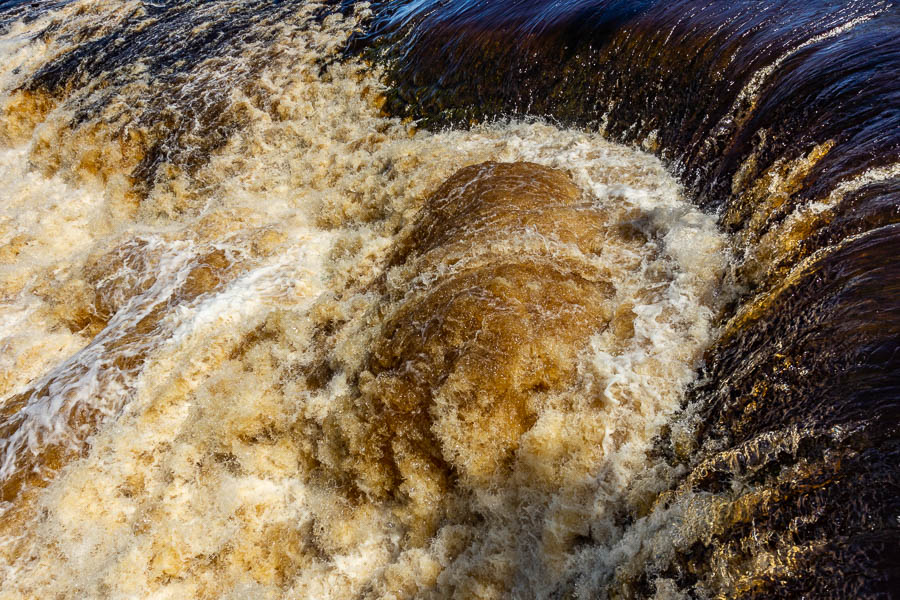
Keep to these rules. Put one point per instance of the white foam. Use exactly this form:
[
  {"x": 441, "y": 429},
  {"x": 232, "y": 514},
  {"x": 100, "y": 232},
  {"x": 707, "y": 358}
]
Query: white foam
[{"x": 200, "y": 475}]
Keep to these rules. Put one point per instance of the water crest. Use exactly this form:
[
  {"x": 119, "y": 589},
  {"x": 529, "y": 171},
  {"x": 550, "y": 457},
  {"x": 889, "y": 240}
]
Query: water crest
[{"x": 319, "y": 299}]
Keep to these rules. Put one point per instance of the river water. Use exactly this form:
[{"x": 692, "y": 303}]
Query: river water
[{"x": 467, "y": 299}]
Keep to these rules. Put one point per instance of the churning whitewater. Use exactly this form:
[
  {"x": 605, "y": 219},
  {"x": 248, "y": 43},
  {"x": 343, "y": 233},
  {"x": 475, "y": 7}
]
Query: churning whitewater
[{"x": 261, "y": 340}]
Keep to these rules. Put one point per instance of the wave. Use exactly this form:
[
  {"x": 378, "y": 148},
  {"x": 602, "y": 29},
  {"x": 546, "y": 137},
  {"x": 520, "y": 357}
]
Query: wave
[
  {"x": 393, "y": 300},
  {"x": 783, "y": 118}
]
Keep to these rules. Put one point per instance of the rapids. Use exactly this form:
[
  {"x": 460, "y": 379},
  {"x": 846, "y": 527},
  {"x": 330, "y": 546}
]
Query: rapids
[{"x": 449, "y": 299}]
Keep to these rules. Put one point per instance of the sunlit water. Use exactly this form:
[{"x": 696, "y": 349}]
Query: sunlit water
[
  {"x": 262, "y": 340},
  {"x": 164, "y": 435}
]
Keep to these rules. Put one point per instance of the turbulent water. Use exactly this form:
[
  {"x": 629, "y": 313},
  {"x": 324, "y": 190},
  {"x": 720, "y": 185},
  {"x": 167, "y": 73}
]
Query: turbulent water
[{"x": 425, "y": 299}]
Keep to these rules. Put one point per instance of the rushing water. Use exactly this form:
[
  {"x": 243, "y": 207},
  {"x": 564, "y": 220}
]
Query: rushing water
[{"x": 340, "y": 300}]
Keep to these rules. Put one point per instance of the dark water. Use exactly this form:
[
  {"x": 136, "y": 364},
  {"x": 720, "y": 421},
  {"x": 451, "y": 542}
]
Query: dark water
[
  {"x": 782, "y": 118},
  {"x": 815, "y": 350}
]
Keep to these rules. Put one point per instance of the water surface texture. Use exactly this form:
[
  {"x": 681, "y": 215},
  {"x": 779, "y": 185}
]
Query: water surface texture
[{"x": 436, "y": 299}]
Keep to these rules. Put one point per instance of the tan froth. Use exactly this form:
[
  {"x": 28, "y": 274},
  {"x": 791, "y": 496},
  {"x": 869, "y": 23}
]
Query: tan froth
[
  {"x": 328, "y": 366},
  {"x": 448, "y": 383},
  {"x": 21, "y": 113}
]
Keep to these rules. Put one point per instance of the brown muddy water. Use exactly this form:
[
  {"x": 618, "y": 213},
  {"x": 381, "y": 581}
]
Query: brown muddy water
[{"x": 424, "y": 299}]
